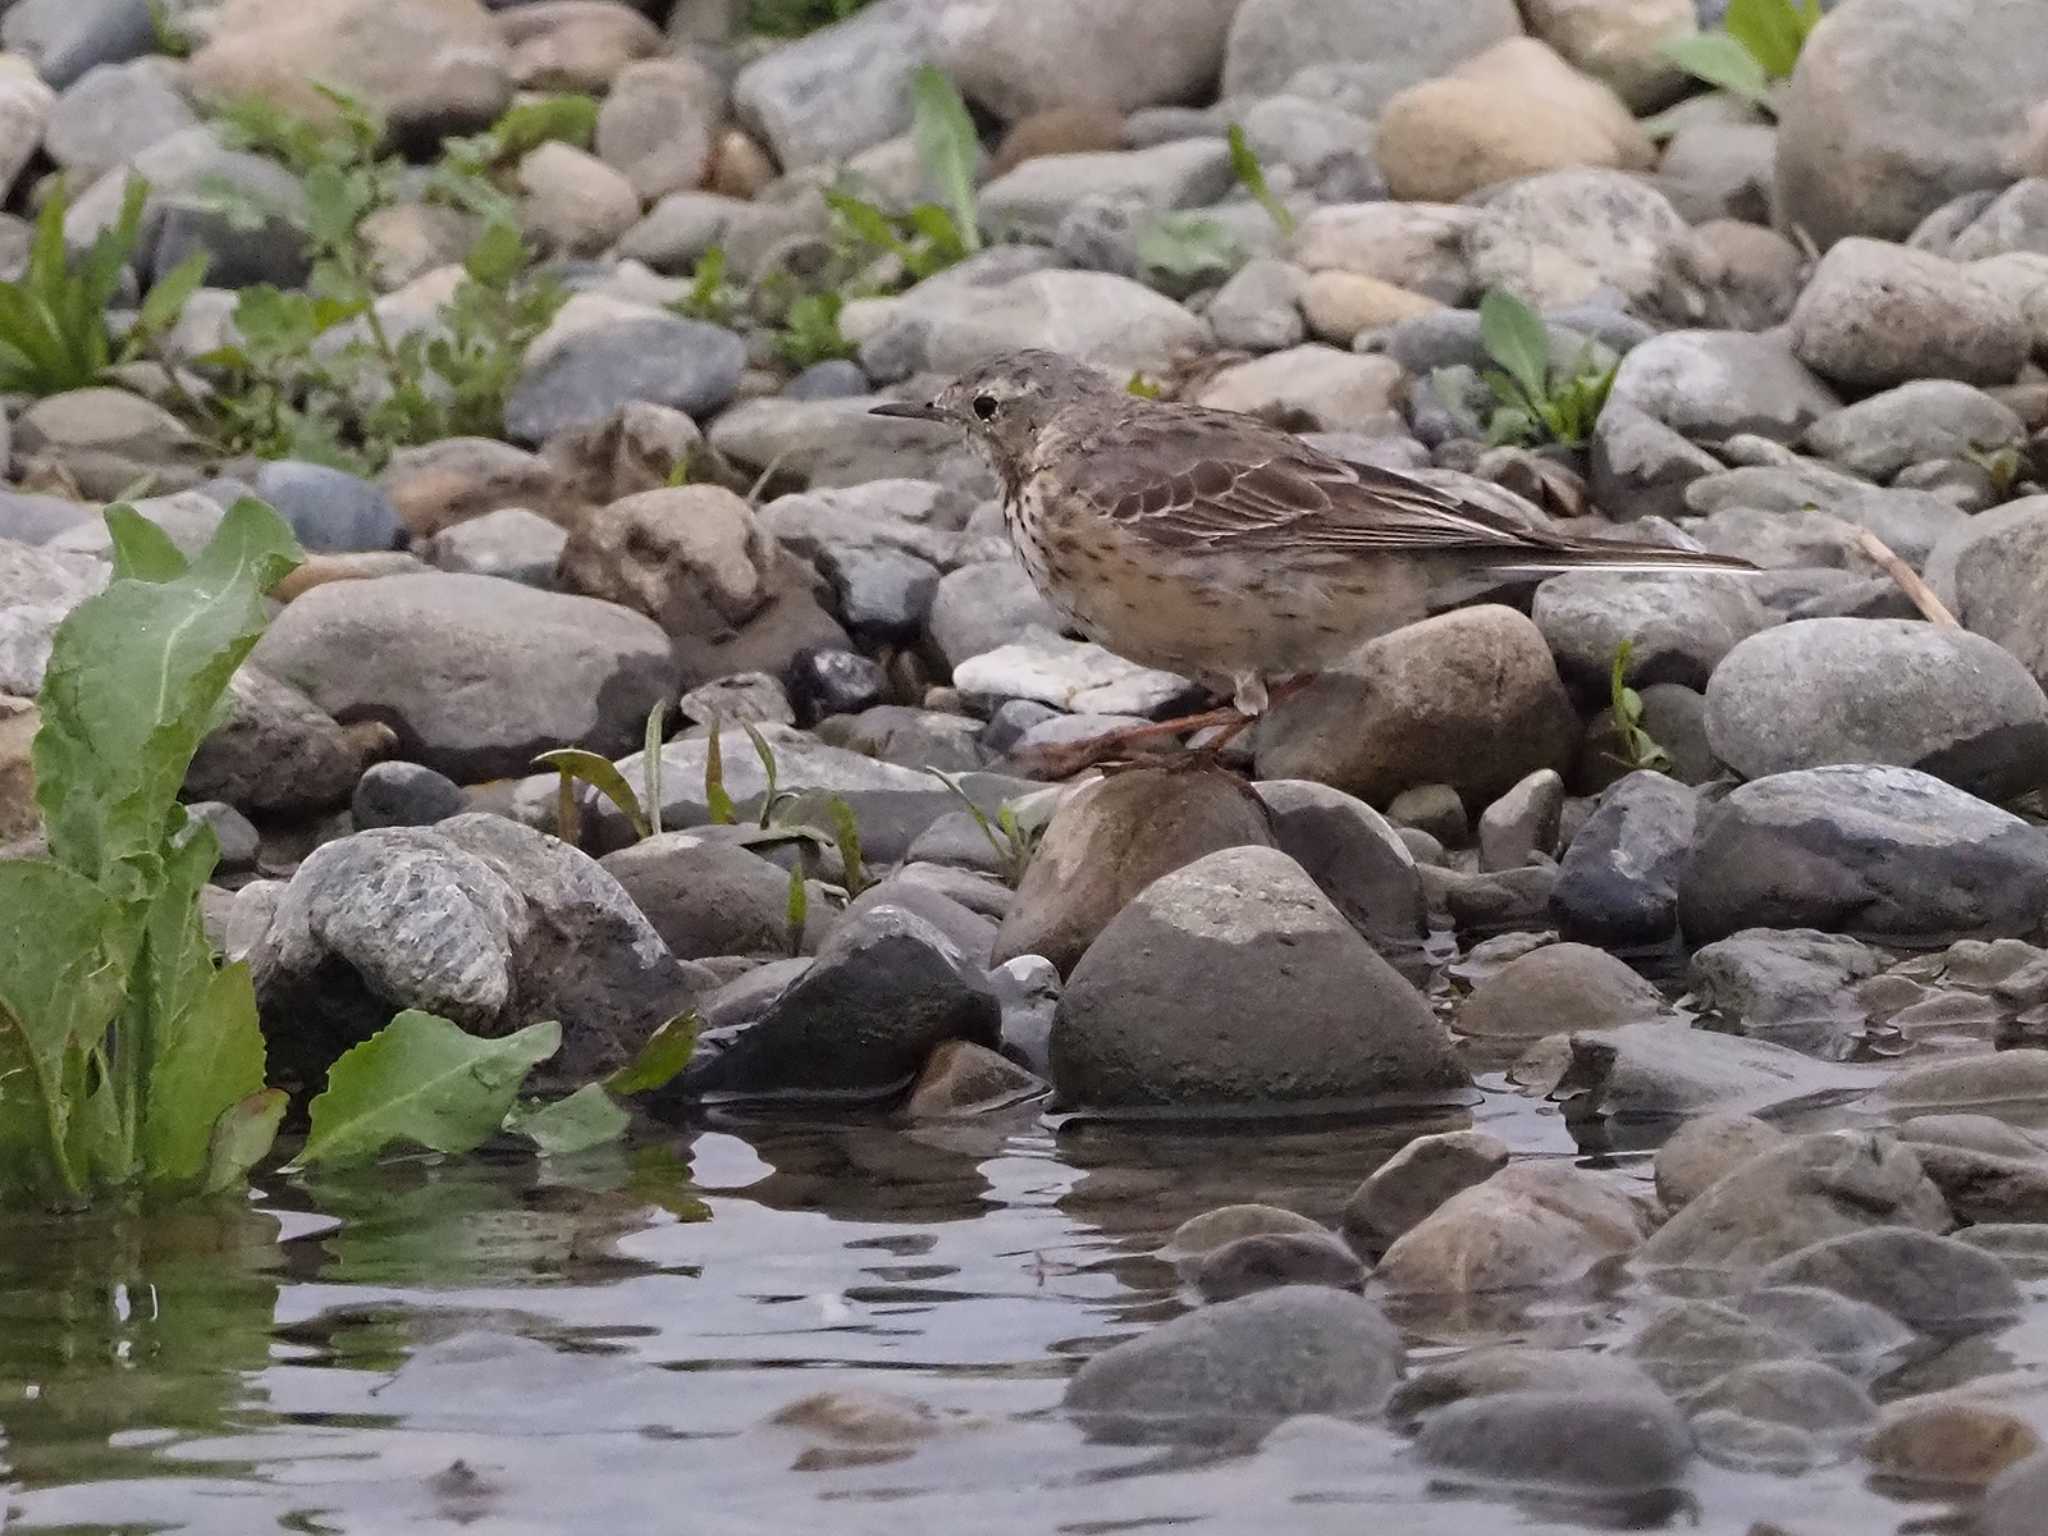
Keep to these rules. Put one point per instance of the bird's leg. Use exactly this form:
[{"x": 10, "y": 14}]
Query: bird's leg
[{"x": 1251, "y": 699}]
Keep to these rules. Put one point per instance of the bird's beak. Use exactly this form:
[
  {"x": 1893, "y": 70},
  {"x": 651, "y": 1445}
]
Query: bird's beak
[{"x": 908, "y": 410}]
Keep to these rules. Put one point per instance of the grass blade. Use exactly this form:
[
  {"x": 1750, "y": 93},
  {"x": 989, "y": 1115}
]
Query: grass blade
[
  {"x": 601, "y": 774},
  {"x": 948, "y": 148}
]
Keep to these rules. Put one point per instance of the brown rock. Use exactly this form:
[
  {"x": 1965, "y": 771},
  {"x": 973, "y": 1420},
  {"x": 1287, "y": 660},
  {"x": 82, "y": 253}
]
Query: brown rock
[
  {"x": 431, "y": 67},
  {"x": 636, "y": 449},
  {"x": 1555, "y": 990},
  {"x": 575, "y": 204},
  {"x": 1111, "y": 838},
  {"x": 1069, "y": 130},
  {"x": 697, "y": 561},
  {"x": 318, "y": 570},
  {"x": 1339, "y": 305},
  {"x": 449, "y": 482},
  {"x": 962, "y": 1078},
  {"x": 575, "y": 45},
  {"x": 1702, "y": 1152},
  {"x": 1430, "y": 1170},
  {"x": 1950, "y": 1443},
  {"x": 740, "y": 167},
  {"x": 1533, "y": 1224},
  {"x": 657, "y": 124},
  {"x": 1469, "y": 698}
]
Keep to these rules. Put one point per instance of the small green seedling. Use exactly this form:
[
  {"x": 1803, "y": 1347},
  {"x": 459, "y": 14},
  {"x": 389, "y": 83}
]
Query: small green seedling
[{"x": 1639, "y": 750}]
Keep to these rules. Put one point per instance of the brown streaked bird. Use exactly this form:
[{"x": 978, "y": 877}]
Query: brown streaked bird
[{"x": 1217, "y": 546}]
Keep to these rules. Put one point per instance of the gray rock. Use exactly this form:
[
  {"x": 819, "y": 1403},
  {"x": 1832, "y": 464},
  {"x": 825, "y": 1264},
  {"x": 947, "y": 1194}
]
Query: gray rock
[
  {"x": 1729, "y": 275},
  {"x": 1469, "y": 698},
  {"x": 276, "y": 751},
  {"x": 112, "y": 113},
  {"x": 1783, "y": 984},
  {"x": 1853, "y": 1336},
  {"x": 1646, "y": 1072},
  {"x": 404, "y": 795},
  {"x": 961, "y": 1078},
  {"x": 1640, "y": 463},
  {"x": 1820, "y": 691},
  {"x": 1566, "y": 237},
  {"x": 511, "y": 543},
  {"x": 1506, "y": 901},
  {"x": 26, "y": 518},
  {"x": 1701, "y": 1152},
  {"x": 663, "y": 359},
  {"x": 1199, "y": 1236},
  {"x": 106, "y": 440},
  {"x": 1381, "y": 46},
  {"x": 1711, "y": 385},
  {"x": 1523, "y": 823},
  {"x": 236, "y": 837},
  {"x": 1806, "y": 1394},
  {"x": 840, "y": 90},
  {"x": 1983, "y": 1186},
  {"x": 1266, "y": 1260},
  {"x": 1874, "y": 315},
  {"x": 1259, "y": 309},
  {"x": 1687, "y": 1346},
  {"x": 1241, "y": 1365},
  {"x": 1917, "y": 1276},
  {"x": 1496, "y": 1368},
  {"x": 1996, "y": 577},
  {"x": 1416, "y": 1180},
  {"x": 1074, "y": 675},
  {"x": 1927, "y": 419},
  {"x": 1974, "y": 1082},
  {"x": 444, "y": 658},
  {"x": 972, "y": 932},
  {"x": 1867, "y": 148},
  {"x": 1433, "y": 808},
  {"x": 706, "y": 898},
  {"x": 1080, "y": 52},
  {"x": 1816, "y": 1187},
  {"x": 1721, "y": 170},
  {"x": 329, "y": 509},
  {"x": 1556, "y": 989},
  {"x": 754, "y": 697},
  {"x": 1233, "y": 981},
  {"x": 886, "y": 988},
  {"x": 2016, "y": 220},
  {"x": 480, "y": 920},
  {"x": 658, "y": 122},
  {"x": 1030, "y": 201},
  {"x": 916, "y": 738},
  {"x": 63, "y": 39},
  {"x": 1532, "y": 1224},
  {"x": 834, "y": 379},
  {"x": 2012, "y": 1504},
  {"x": 1874, "y": 851},
  {"x": 979, "y": 608},
  {"x": 1911, "y": 522},
  {"x": 1355, "y": 857},
  {"x": 1619, "y": 1443},
  {"x": 1618, "y": 883}
]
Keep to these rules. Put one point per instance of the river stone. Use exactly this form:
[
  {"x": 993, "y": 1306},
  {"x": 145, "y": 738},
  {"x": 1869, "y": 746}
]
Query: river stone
[
  {"x": 1498, "y": 1368},
  {"x": 1531, "y": 1224},
  {"x": 1109, "y": 840},
  {"x": 1815, "y": 1187},
  {"x": 1853, "y": 1336},
  {"x": 1238, "y": 1366},
  {"x": 404, "y": 795},
  {"x": 63, "y": 39},
  {"x": 1618, "y": 883},
  {"x": 705, "y": 898},
  {"x": 886, "y": 989},
  {"x": 1701, "y": 1152},
  {"x": 961, "y": 1078},
  {"x": 1624, "y": 1442},
  {"x": 1783, "y": 983},
  {"x": 477, "y": 675},
  {"x": 1692, "y": 1343},
  {"x": 1926, "y": 419},
  {"x": 1994, "y": 574},
  {"x": 1376, "y": 47},
  {"x": 1729, "y": 1439},
  {"x": 841, "y": 89},
  {"x": 480, "y": 920},
  {"x": 1820, "y": 691},
  {"x": 1711, "y": 385},
  {"x": 1880, "y": 852},
  {"x": 2012, "y": 1505},
  {"x": 1234, "y": 981},
  {"x": 589, "y": 376},
  {"x": 1986, "y": 1186},
  {"x": 2016, "y": 1078},
  {"x": 1874, "y": 315},
  {"x": 1950, "y": 1444},
  {"x": 1357, "y": 859},
  {"x": 1896, "y": 107},
  {"x": 1918, "y": 1277},
  {"x": 276, "y": 751},
  {"x": 1198, "y": 1236},
  {"x": 1654, "y": 1071},
  {"x": 1806, "y": 1394},
  {"x": 1031, "y": 201},
  {"x": 1470, "y": 699},
  {"x": 1678, "y": 625},
  {"x": 1417, "y": 1179},
  {"x": 1555, "y": 989},
  {"x": 1265, "y": 1260},
  {"x": 1567, "y": 237}
]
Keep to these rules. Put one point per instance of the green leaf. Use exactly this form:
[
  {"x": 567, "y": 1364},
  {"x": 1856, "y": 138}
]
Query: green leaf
[
  {"x": 61, "y": 982},
  {"x": 770, "y": 795},
  {"x": 1722, "y": 62},
  {"x": 1773, "y": 31},
  {"x": 948, "y": 148},
  {"x": 242, "y": 1138},
  {"x": 134, "y": 678},
  {"x": 423, "y": 1081},
  {"x": 167, "y": 299},
  {"x": 601, "y": 774},
  {"x": 569, "y": 118},
  {"x": 667, "y": 1052},
  {"x": 797, "y": 910},
  {"x": 1189, "y": 247},
  {"x": 142, "y": 550},
  {"x": 1515, "y": 337},
  {"x": 1244, "y": 164},
  {"x": 717, "y": 802},
  {"x": 867, "y": 222},
  {"x": 846, "y": 833},
  {"x": 586, "y": 1118},
  {"x": 498, "y": 256}
]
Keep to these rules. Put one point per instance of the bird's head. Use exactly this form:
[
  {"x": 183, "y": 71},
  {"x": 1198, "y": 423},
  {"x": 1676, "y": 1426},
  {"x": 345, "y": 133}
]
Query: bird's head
[{"x": 1005, "y": 403}]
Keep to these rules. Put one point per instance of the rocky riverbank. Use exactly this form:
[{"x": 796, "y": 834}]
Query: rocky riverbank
[{"x": 1675, "y": 853}]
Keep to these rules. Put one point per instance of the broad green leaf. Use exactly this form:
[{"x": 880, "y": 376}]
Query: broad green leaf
[
  {"x": 1515, "y": 337},
  {"x": 667, "y": 1052},
  {"x": 213, "y": 1062},
  {"x": 1244, "y": 164},
  {"x": 1772, "y": 30},
  {"x": 600, "y": 774},
  {"x": 947, "y": 147},
  {"x": 242, "y": 1137},
  {"x": 866, "y": 221},
  {"x": 498, "y": 255},
  {"x": 586, "y": 1118},
  {"x": 168, "y": 297},
  {"x": 142, "y": 550},
  {"x": 1721, "y": 61},
  {"x": 421, "y": 1080},
  {"x": 60, "y": 985},
  {"x": 134, "y": 677},
  {"x": 1189, "y": 246}
]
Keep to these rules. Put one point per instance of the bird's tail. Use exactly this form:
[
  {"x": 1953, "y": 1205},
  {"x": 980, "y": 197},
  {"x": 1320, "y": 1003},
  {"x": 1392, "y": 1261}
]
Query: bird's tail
[{"x": 1613, "y": 555}]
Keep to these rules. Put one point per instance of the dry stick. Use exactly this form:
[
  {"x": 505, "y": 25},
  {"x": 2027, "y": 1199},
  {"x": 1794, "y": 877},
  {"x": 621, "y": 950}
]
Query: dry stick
[{"x": 1930, "y": 606}]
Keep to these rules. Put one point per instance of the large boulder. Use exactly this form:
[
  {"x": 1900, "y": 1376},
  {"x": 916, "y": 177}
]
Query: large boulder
[
  {"x": 1898, "y": 106},
  {"x": 1375, "y": 47},
  {"x": 1235, "y": 982},
  {"x": 477, "y": 675},
  {"x": 1995, "y": 573},
  {"x": 1874, "y": 315},
  {"x": 1017, "y": 61}
]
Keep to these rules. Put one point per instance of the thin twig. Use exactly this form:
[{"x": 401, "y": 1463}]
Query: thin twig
[{"x": 1930, "y": 606}]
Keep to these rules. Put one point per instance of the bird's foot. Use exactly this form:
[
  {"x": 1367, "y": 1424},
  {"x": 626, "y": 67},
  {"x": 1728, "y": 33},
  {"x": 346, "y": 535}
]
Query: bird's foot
[{"x": 1069, "y": 758}]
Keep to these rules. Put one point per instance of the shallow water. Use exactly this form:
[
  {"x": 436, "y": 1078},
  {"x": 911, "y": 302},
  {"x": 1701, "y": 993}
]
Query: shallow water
[{"x": 598, "y": 1345}]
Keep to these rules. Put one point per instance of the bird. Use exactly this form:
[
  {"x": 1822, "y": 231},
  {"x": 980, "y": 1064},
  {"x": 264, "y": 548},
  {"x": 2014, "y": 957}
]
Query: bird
[{"x": 1215, "y": 545}]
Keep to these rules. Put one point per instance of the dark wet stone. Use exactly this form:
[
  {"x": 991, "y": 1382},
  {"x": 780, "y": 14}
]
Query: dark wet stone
[
  {"x": 706, "y": 898},
  {"x": 829, "y": 682},
  {"x": 1660, "y": 1070},
  {"x": 1270, "y": 1259},
  {"x": 962, "y": 1078},
  {"x": 1918, "y": 1277},
  {"x": 1618, "y": 884},
  {"x": 1618, "y": 1442},
  {"x": 1504, "y": 901},
  {"x": 1239, "y": 1365},
  {"x": 405, "y": 795},
  {"x": 1199, "y": 1236},
  {"x": 1791, "y": 985},
  {"x": 1419, "y": 1178},
  {"x": 1986, "y": 1187}
]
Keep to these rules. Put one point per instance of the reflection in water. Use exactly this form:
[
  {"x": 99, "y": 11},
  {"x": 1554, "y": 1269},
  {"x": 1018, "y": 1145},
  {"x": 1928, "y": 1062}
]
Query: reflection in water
[{"x": 833, "y": 1326}]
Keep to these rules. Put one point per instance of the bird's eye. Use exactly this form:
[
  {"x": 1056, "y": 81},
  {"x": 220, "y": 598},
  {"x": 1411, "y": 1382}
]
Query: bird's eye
[{"x": 985, "y": 406}]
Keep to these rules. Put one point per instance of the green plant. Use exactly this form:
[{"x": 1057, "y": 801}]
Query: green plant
[
  {"x": 1141, "y": 386},
  {"x": 167, "y": 32},
  {"x": 793, "y": 18},
  {"x": 1184, "y": 251},
  {"x": 472, "y": 169},
  {"x": 948, "y": 149},
  {"x": 53, "y": 320},
  {"x": 1756, "y": 47},
  {"x": 1625, "y": 707},
  {"x": 1015, "y": 843},
  {"x": 1537, "y": 402},
  {"x": 1244, "y": 164},
  {"x": 810, "y": 331},
  {"x": 711, "y": 297}
]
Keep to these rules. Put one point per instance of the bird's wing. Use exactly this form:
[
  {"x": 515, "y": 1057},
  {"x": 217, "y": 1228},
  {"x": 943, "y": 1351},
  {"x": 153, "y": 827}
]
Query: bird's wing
[{"x": 1196, "y": 479}]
